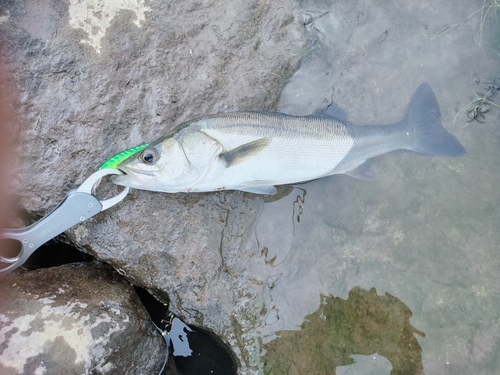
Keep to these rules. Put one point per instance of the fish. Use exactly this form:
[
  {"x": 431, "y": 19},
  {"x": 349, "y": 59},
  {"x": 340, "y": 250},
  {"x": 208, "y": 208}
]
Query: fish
[{"x": 256, "y": 151}]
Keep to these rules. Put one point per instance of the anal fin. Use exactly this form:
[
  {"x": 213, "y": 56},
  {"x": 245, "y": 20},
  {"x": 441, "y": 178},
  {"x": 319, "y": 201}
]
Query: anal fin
[
  {"x": 257, "y": 187},
  {"x": 364, "y": 171},
  {"x": 263, "y": 190}
]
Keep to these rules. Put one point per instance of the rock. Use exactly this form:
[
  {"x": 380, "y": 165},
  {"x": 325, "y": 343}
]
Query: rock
[
  {"x": 78, "y": 318},
  {"x": 95, "y": 79}
]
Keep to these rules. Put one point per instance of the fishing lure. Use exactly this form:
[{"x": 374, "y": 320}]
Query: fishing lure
[{"x": 113, "y": 162}]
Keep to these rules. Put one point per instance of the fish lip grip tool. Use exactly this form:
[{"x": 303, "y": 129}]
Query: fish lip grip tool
[{"x": 78, "y": 206}]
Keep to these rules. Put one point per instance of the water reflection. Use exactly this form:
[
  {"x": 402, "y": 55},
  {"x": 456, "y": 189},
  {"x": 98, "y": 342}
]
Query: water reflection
[
  {"x": 364, "y": 324},
  {"x": 279, "y": 235}
]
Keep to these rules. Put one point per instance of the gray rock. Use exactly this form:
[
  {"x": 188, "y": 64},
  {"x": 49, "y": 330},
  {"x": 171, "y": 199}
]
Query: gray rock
[
  {"x": 130, "y": 75},
  {"x": 79, "y": 318},
  {"x": 95, "y": 85}
]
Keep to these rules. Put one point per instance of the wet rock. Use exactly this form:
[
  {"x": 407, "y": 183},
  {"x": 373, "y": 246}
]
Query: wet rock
[
  {"x": 78, "y": 318},
  {"x": 95, "y": 78}
]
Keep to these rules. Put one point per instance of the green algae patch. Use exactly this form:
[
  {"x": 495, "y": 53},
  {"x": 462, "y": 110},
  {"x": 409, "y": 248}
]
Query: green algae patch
[{"x": 364, "y": 324}]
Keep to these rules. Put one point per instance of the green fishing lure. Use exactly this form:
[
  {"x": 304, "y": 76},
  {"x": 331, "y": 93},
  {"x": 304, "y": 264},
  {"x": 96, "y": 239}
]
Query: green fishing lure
[{"x": 118, "y": 158}]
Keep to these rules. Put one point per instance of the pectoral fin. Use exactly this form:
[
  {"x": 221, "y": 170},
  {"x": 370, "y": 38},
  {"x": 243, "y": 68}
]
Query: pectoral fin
[
  {"x": 238, "y": 154},
  {"x": 364, "y": 171}
]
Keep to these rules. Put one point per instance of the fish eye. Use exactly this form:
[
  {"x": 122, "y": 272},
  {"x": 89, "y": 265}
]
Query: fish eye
[{"x": 150, "y": 155}]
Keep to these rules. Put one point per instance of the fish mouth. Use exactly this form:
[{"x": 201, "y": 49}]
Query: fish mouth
[
  {"x": 119, "y": 180},
  {"x": 127, "y": 171},
  {"x": 123, "y": 180},
  {"x": 131, "y": 177}
]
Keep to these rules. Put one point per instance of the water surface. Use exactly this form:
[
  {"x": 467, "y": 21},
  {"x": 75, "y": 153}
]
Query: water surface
[{"x": 425, "y": 235}]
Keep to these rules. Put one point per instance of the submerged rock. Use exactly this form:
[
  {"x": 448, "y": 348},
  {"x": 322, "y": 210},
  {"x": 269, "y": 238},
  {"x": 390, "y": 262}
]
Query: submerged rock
[
  {"x": 78, "y": 318},
  {"x": 363, "y": 324}
]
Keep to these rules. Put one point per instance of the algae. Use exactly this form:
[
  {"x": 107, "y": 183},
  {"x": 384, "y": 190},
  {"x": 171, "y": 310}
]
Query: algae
[{"x": 364, "y": 324}]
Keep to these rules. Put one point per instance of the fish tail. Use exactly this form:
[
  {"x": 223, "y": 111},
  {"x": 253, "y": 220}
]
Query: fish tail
[{"x": 423, "y": 120}]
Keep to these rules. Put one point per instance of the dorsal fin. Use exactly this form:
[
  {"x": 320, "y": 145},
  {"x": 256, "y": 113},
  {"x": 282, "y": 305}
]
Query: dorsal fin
[{"x": 332, "y": 111}]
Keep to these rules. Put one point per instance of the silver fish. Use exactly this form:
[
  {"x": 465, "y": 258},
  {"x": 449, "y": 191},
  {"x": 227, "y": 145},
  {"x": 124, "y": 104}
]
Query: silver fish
[{"x": 254, "y": 151}]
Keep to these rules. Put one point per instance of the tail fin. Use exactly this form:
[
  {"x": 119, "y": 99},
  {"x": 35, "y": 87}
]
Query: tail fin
[{"x": 431, "y": 137}]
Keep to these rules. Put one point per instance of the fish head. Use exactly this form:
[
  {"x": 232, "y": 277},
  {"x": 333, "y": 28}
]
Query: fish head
[{"x": 162, "y": 166}]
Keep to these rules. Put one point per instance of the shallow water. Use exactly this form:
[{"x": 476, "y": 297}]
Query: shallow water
[{"x": 424, "y": 235}]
